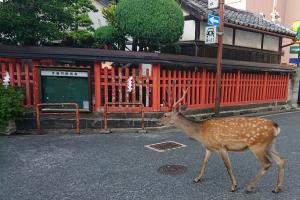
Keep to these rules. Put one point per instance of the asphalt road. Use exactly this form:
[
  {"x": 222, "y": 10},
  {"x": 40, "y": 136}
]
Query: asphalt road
[{"x": 119, "y": 167}]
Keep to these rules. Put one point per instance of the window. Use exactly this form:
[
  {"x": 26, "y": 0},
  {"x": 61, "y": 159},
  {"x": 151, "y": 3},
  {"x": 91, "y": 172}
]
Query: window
[
  {"x": 271, "y": 43},
  {"x": 248, "y": 39},
  {"x": 188, "y": 31}
]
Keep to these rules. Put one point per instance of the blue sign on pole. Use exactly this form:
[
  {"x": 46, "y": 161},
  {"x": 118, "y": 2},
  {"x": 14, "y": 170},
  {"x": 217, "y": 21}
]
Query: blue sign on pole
[{"x": 213, "y": 20}]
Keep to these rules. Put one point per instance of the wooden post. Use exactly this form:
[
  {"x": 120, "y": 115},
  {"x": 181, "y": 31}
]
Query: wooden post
[
  {"x": 97, "y": 79},
  {"x": 36, "y": 89},
  {"x": 156, "y": 87},
  {"x": 27, "y": 82},
  {"x": 219, "y": 59}
]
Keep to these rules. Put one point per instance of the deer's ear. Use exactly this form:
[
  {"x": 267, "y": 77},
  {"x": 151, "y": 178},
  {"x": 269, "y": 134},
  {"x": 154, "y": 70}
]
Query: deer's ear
[{"x": 182, "y": 108}]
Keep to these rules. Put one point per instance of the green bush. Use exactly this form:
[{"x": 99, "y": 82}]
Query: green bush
[
  {"x": 10, "y": 104},
  {"x": 105, "y": 35},
  {"x": 150, "y": 22}
]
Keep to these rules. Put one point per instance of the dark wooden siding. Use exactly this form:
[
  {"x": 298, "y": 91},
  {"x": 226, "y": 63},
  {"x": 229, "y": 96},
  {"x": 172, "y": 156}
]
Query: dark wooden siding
[{"x": 230, "y": 52}]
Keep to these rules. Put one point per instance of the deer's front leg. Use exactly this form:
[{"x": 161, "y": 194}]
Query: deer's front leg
[
  {"x": 203, "y": 166},
  {"x": 225, "y": 158}
]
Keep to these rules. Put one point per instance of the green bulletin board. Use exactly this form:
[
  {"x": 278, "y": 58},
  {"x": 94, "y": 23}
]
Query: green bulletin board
[{"x": 59, "y": 86}]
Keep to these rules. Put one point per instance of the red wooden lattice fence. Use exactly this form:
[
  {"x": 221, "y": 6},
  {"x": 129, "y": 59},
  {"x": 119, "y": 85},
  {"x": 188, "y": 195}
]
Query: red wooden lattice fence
[{"x": 151, "y": 87}]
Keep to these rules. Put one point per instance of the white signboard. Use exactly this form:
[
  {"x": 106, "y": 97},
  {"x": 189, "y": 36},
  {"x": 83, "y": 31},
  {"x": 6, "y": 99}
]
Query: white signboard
[
  {"x": 213, "y": 4},
  {"x": 210, "y": 35},
  {"x": 64, "y": 73}
]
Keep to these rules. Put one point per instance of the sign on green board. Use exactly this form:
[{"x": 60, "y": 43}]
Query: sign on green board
[
  {"x": 298, "y": 32},
  {"x": 295, "y": 49}
]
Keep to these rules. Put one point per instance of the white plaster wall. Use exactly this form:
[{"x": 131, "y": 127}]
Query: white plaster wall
[
  {"x": 188, "y": 31},
  {"x": 248, "y": 39},
  {"x": 228, "y": 36},
  {"x": 271, "y": 43}
]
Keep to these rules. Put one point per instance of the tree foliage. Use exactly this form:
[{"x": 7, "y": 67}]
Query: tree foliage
[
  {"x": 105, "y": 35},
  {"x": 117, "y": 37},
  {"x": 37, "y": 22},
  {"x": 10, "y": 104},
  {"x": 150, "y": 23}
]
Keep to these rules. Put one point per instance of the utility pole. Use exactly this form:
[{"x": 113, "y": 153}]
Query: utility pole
[{"x": 219, "y": 58}]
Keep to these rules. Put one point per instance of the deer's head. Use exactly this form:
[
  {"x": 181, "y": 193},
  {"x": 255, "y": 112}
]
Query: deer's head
[{"x": 169, "y": 118}]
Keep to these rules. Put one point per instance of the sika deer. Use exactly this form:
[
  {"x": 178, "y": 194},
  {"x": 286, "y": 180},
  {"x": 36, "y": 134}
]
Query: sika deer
[{"x": 232, "y": 134}]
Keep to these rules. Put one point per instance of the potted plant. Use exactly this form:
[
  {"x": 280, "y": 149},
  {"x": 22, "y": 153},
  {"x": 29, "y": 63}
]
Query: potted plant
[{"x": 10, "y": 108}]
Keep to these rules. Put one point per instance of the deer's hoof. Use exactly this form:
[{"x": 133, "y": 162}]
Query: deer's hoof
[
  {"x": 233, "y": 188},
  {"x": 197, "y": 180},
  {"x": 276, "y": 190},
  {"x": 249, "y": 189}
]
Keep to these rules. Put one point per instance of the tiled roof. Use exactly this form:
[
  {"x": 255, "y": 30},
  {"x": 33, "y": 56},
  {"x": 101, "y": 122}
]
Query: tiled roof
[{"x": 237, "y": 17}]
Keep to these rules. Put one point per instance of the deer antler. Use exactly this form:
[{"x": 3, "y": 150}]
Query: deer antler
[{"x": 180, "y": 100}]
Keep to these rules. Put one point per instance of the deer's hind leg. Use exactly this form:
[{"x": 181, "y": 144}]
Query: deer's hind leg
[{"x": 261, "y": 154}]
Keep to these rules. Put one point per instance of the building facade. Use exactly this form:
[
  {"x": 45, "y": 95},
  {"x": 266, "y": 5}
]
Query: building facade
[{"x": 288, "y": 11}]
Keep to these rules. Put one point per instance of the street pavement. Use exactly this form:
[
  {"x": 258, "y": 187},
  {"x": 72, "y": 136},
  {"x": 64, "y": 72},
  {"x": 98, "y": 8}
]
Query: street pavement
[{"x": 119, "y": 167}]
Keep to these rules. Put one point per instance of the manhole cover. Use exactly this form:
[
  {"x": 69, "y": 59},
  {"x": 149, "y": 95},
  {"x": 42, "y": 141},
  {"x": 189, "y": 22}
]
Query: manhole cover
[
  {"x": 164, "y": 146},
  {"x": 172, "y": 169}
]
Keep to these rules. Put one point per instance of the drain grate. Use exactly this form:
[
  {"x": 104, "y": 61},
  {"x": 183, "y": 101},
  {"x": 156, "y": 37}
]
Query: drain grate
[
  {"x": 172, "y": 169},
  {"x": 164, "y": 146}
]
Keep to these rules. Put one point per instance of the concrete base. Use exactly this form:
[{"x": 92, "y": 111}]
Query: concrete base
[{"x": 94, "y": 123}]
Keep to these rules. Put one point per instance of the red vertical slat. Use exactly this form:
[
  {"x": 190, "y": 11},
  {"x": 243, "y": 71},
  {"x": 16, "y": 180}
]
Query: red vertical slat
[
  {"x": 97, "y": 85},
  {"x": 214, "y": 82},
  {"x": 147, "y": 88},
  {"x": 203, "y": 87},
  {"x": 282, "y": 86},
  {"x": 255, "y": 87},
  {"x": 207, "y": 88},
  {"x": 170, "y": 102},
  {"x": 126, "y": 88},
  {"x": 198, "y": 86},
  {"x": 120, "y": 77},
  {"x": 184, "y": 85},
  {"x": 141, "y": 83},
  {"x": 230, "y": 93},
  {"x": 3, "y": 69},
  {"x": 113, "y": 86},
  {"x": 156, "y": 98},
  {"x": 211, "y": 88},
  {"x": 175, "y": 86},
  {"x": 133, "y": 86},
  {"x": 35, "y": 78},
  {"x": 27, "y": 82},
  {"x": 189, "y": 87},
  {"x": 105, "y": 85},
  {"x": 164, "y": 86},
  {"x": 18, "y": 74},
  {"x": 12, "y": 73},
  {"x": 193, "y": 96},
  {"x": 237, "y": 87},
  {"x": 179, "y": 85},
  {"x": 223, "y": 87}
]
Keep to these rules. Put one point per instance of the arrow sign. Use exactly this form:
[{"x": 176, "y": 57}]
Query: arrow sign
[{"x": 213, "y": 20}]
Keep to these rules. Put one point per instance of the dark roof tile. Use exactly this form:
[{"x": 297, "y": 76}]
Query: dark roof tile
[{"x": 238, "y": 17}]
